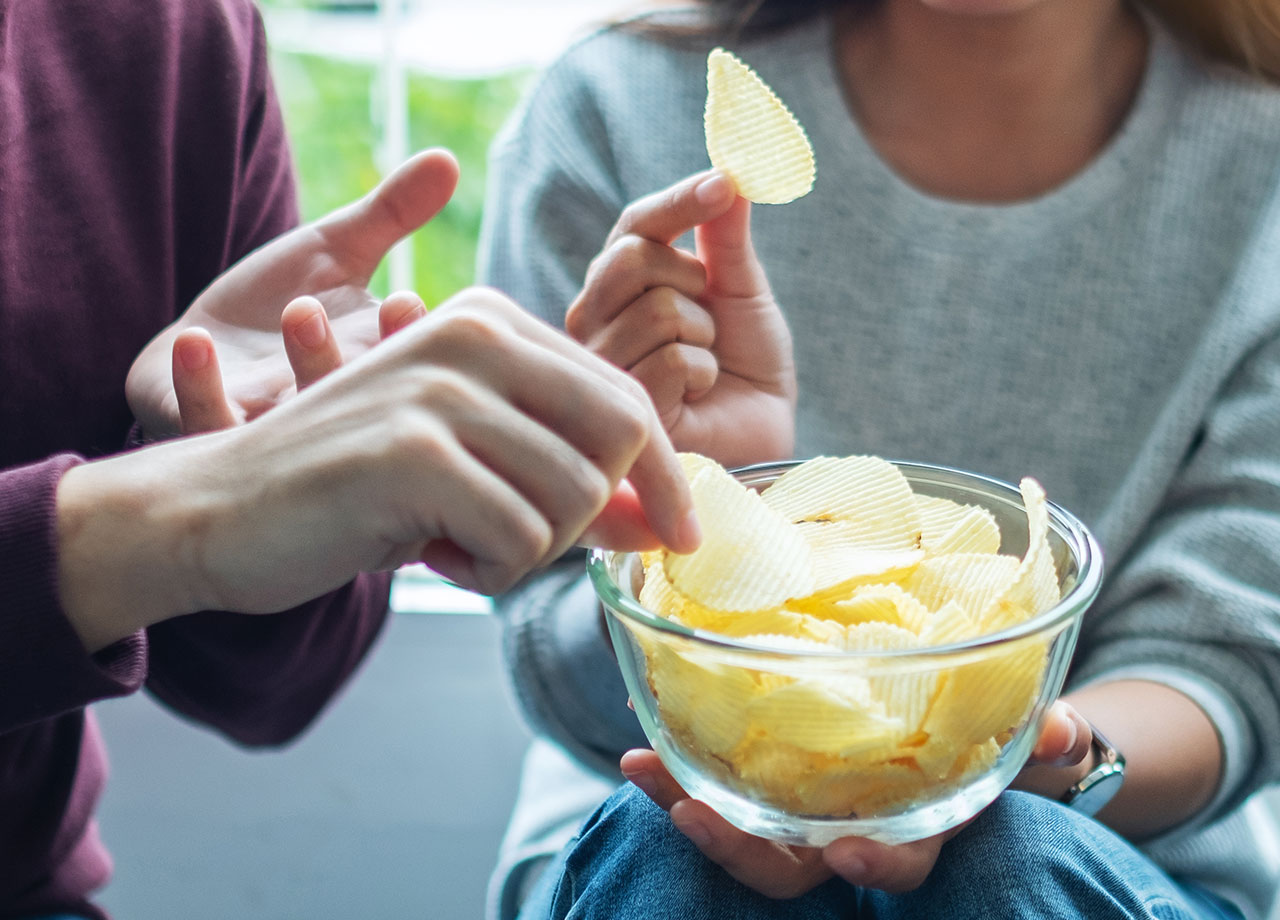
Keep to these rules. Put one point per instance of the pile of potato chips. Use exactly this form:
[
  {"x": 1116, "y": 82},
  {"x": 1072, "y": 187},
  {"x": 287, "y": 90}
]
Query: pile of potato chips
[{"x": 840, "y": 556}]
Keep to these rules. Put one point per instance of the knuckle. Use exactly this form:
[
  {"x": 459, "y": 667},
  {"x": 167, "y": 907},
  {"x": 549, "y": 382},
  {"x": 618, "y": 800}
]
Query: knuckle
[
  {"x": 577, "y": 319},
  {"x": 472, "y": 328},
  {"x": 594, "y": 488},
  {"x": 531, "y": 539},
  {"x": 675, "y": 361},
  {"x": 662, "y": 314},
  {"x": 629, "y": 256}
]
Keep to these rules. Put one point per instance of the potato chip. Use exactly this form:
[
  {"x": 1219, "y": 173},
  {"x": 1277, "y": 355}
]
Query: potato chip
[
  {"x": 707, "y": 698},
  {"x": 950, "y": 527},
  {"x": 845, "y": 556},
  {"x": 883, "y": 603},
  {"x": 659, "y": 596},
  {"x": 824, "y": 716},
  {"x": 752, "y": 137},
  {"x": 985, "y": 697},
  {"x": 975, "y": 581},
  {"x": 1036, "y": 588},
  {"x": 750, "y": 557},
  {"x": 868, "y": 495}
]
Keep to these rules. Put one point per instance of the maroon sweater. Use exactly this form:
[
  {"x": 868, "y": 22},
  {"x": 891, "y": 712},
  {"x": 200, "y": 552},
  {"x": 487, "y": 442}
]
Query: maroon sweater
[{"x": 141, "y": 153}]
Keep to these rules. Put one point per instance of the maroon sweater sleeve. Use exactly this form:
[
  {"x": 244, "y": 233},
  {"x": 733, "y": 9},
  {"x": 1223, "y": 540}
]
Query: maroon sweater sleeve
[
  {"x": 44, "y": 669},
  {"x": 155, "y": 156}
]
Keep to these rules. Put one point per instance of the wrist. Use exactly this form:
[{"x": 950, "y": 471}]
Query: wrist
[{"x": 120, "y": 525}]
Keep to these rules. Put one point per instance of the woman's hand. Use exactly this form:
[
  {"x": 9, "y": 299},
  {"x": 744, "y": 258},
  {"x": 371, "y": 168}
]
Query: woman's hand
[
  {"x": 478, "y": 440},
  {"x": 782, "y": 871},
  {"x": 700, "y": 330},
  {"x": 180, "y": 384}
]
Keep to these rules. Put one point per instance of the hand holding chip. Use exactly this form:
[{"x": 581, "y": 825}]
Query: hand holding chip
[
  {"x": 781, "y": 871},
  {"x": 700, "y": 330}
]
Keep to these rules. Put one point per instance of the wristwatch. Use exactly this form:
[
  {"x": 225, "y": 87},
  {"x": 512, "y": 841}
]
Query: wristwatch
[{"x": 1102, "y": 782}]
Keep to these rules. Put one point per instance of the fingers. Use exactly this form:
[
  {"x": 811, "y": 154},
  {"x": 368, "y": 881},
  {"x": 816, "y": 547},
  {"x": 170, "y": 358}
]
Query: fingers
[
  {"x": 599, "y": 409},
  {"x": 621, "y": 524},
  {"x": 402, "y": 202},
  {"x": 675, "y": 375},
  {"x": 724, "y": 246},
  {"x": 667, "y": 215},
  {"x": 197, "y": 383},
  {"x": 657, "y": 317},
  {"x": 621, "y": 274},
  {"x": 645, "y": 770},
  {"x": 775, "y": 870},
  {"x": 1065, "y": 738},
  {"x": 309, "y": 341},
  {"x": 398, "y": 311},
  {"x": 894, "y": 869}
]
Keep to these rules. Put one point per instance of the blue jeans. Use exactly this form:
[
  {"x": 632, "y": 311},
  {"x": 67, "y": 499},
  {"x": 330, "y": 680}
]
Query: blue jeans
[{"x": 1024, "y": 858}]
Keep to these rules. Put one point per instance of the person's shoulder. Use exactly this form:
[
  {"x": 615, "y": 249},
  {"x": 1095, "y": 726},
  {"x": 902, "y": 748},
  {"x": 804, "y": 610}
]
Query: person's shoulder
[{"x": 1236, "y": 112}]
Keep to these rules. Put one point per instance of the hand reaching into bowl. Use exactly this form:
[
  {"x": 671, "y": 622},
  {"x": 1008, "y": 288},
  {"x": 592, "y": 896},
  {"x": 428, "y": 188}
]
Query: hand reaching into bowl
[{"x": 780, "y": 870}]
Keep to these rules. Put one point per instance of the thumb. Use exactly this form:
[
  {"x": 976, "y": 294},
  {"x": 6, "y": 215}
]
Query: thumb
[
  {"x": 408, "y": 197},
  {"x": 725, "y": 249}
]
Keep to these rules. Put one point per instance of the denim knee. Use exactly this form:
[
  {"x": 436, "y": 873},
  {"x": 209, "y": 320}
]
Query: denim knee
[{"x": 1028, "y": 857}]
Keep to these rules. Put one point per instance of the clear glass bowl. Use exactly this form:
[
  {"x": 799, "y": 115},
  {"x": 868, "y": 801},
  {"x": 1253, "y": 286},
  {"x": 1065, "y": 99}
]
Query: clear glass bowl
[{"x": 810, "y": 798}]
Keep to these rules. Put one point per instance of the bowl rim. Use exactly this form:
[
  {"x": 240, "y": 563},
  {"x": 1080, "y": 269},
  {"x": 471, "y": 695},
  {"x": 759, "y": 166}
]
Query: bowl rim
[{"x": 1074, "y": 603}]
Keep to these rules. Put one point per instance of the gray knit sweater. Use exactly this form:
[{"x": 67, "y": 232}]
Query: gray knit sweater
[{"x": 1118, "y": 338}]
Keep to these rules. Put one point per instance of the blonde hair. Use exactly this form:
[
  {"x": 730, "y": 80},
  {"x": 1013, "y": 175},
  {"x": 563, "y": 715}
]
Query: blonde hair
[{"x": 1242, "y": 33}]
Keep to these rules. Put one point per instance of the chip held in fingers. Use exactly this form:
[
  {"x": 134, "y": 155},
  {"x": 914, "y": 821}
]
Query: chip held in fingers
[{"x": 751, "y": 135}]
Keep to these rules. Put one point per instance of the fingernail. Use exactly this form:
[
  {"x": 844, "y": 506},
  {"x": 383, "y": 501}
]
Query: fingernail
[
  {"x": 310, "y": 333},
  {"x": 193, "y": 355},
  {"x": 696, "y": 832},
  {"x": 712, "y": 189},
  {"x": 1072, "y": 734},
  {"x": 850, "y": 868},
  {"x": 644, "y": 782},
  {"x": 690, "y": 531}
]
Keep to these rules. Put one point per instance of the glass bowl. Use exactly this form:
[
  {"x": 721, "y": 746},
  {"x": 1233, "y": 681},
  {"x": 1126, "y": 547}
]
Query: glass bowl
[{"x": 795, "y": 792}]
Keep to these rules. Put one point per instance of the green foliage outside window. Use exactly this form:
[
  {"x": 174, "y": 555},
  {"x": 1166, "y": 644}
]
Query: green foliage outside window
[{"x": 329, "y": 108}]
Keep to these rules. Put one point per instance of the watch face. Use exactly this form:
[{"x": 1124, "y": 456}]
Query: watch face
[
  {"x": 1102, "y": 782},
  {"x": 1096, "y": 790}
]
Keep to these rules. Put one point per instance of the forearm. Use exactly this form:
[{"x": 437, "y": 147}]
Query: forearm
[{"x": 1173, "y": 755}]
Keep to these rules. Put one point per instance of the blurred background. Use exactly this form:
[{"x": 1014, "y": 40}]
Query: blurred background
[{"x": 393, "y": 805}]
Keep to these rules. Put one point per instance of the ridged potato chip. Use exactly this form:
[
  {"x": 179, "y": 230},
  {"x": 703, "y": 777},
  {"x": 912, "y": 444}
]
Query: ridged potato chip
[
  {"x": 950, "y": 527},
  {"x": 752, "y": 137},
  {"x": 751, "y": 558},
  {"x": 1036, "y": 588},
  {"x": 845, "y": 556},
  {"x": 870, "y": 496},
  {"x": 975, "y": 581}
]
